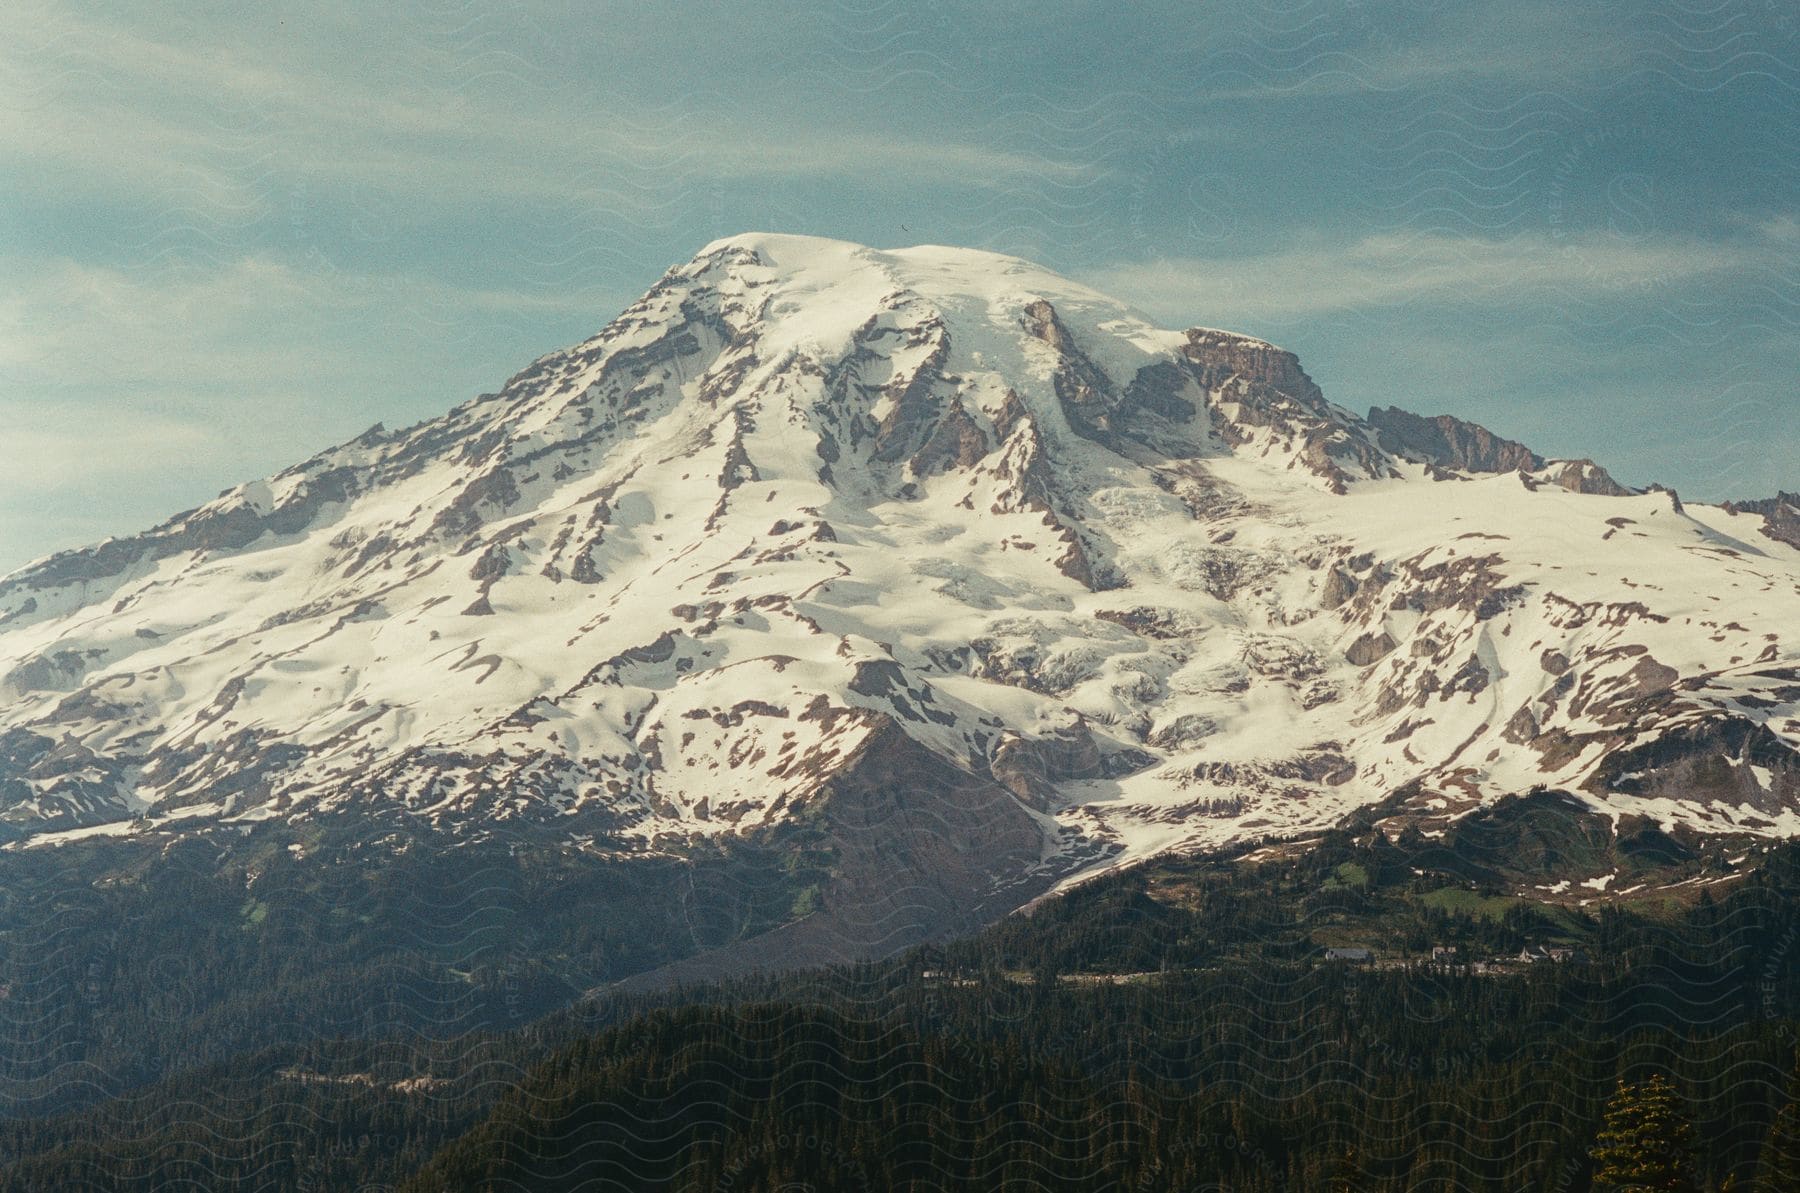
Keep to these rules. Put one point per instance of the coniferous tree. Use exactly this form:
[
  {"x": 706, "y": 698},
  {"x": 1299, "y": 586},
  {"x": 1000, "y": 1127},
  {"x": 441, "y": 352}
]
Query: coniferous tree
[
  {"x": 1780, "y": 1167},
  {"x": 1346, "y": 1171},
  {"x": 1647, "y": 1142}
]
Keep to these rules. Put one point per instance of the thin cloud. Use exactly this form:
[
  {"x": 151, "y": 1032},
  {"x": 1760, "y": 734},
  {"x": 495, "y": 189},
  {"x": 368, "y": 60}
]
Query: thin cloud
[
  {"x": 74, "y": 324},
  {"x": 108, "y": 375},
  {"x": 1391, "y": 270},
  {"x": 126, "y": 110},
  {"x": 1522, "y": 47}
]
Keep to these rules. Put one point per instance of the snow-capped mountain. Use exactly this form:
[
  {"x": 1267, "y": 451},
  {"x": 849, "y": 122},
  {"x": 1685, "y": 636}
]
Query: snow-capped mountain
[{"x": 811, "y": 518}]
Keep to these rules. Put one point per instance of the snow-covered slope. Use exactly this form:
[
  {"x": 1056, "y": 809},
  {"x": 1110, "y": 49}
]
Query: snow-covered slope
[{"x": 810, "y": 512}]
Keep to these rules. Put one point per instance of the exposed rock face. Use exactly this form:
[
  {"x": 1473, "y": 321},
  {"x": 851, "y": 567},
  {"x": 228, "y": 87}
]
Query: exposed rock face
[
  {"x": 1585, "y": 476},
  {"x": 1220, "y": 356},
  {"x": 1452, "y": 442},
  {"x": 958, "y": 442},
  {"x": 963, "y": 561},
  {"x": 212, "y": 528},
  {"x": 1339, "y": 587},
  {"x": 1085, "y": 392},
  {"x": 1163, "y": 389},
  {"x": 1182, "y": 732},
  {"x": 1780, "y": 515},
  {"x": 1449, "y": 442},
  {"x": 1032, "y": 768},
  {"x": 1260, "y": 387},
  {"x": 1782, "y": 523},
  {"x": 1731, "y": 762},
  {"x": 1370, "y": 648},
  {"x": 918, "y": 851}
]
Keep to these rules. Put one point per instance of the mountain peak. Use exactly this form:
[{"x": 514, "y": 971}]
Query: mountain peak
[
  {"x": 839, "y": 271},
  {"x": 809, "y": 513},
  {"x": 793, "y": 254}
]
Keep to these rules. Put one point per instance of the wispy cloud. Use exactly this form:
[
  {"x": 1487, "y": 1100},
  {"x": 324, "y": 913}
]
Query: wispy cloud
[
  {"x": 123, "y": 108},
  {"x": 253, "y": 321},
  {"x": 1391, "y": 269},
  {"x": 1371, "y": 47},
  {"x": 238, "y": 234},
  {"x": 1783, "y": 229},
  {"x": 108, "y": 376}
]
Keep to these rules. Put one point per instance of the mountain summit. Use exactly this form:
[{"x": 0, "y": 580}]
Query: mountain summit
[{"x": 930, "y": 533}]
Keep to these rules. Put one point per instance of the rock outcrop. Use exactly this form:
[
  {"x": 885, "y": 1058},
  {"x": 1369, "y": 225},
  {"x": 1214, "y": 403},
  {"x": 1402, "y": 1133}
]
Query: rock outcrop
[{"x": 1451, "y": 442}]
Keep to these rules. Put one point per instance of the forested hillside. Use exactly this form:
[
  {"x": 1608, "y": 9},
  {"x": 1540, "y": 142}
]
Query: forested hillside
[{"x": 1163, "y": 1028}]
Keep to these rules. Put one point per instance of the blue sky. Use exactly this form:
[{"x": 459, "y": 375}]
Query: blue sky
[{"x": 237, "y": 234}]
